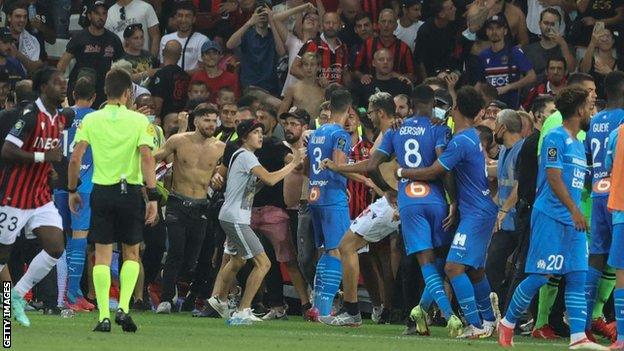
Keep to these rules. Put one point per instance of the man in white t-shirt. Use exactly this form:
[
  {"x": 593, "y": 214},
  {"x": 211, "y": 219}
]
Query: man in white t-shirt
[
  {"x": 410, "y": 22},
  {"x": 28, "y": 51},
  {"x": 190, "y": 40},
  {"x": 126, "y": 12}
]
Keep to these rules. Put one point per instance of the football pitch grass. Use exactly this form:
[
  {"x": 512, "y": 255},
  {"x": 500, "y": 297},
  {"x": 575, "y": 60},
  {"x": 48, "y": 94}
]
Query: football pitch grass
[{"x": 180, "y": 331}]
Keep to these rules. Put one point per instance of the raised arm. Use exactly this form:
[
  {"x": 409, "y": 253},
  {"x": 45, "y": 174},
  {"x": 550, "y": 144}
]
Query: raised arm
[
  {"x": 236, "y": 38},
  {"x": 167, "y": 149}
]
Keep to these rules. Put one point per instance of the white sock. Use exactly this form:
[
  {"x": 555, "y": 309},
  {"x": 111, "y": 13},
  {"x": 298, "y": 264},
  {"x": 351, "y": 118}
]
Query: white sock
[
  {"x": 37, "y": 270},
  {"x": 507, "y": 323},
  {"x": 61, "y": 279},
  {"x": 576, "y": 337}
]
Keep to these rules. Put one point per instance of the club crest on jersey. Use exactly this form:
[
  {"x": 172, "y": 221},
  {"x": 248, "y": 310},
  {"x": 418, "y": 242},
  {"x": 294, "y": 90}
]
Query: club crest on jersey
[
  {"x": 19, "y": 125},
  {"x": 552, "y": 154},
  {"x": 341, "y": 143}
]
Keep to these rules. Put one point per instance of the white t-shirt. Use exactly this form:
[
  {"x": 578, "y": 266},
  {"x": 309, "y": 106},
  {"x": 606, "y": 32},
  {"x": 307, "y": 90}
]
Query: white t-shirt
[
  {"x": 241, "y": 188},
  {"x": 137, "y": 11},
  {"x": 29, "y": 46},
  {"x": 193, "y": 49},
  {"x": 534, "y": 9},
  {"x": 408, "y": 34},
  {"x": 293, "y": 45}
]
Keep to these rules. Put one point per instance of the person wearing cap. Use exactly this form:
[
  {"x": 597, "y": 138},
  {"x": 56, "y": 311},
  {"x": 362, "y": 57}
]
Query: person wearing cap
[
  {"x": 504, "y": 66},
  {"x": 242, "y": 172},
  {"x": 94, "y": 47},
  {"x": 8, "y": 62},
  {"x": 127, "y": 12},
  {"x": 143, "y": 62},
  {"x": 190, "y": 40},
  {"x": 169, "y": 85},
  {"x": 409, "y": 22},
  {"x": 215, "y": 77}
]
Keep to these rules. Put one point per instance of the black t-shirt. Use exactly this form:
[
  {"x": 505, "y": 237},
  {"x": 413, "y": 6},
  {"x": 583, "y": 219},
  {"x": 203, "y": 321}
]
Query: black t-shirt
[
  {"x": 526, "y": 168},
  {"x": 94, "y": 52},
  {"x": 271, "y": 157},
  {"x": 435, "y": 46},
  {"x": 170, "y": 83},
  {"x": 393, "y": 86}
]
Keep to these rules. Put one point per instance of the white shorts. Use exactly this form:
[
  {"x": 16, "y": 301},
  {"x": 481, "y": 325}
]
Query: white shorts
[
  {"x": 12, "y": 220},
  {"x": 376, "y": 222}
]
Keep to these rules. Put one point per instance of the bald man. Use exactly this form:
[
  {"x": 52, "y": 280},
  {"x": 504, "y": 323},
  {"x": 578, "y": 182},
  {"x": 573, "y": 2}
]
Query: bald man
[{"x": 170, "y": 84}]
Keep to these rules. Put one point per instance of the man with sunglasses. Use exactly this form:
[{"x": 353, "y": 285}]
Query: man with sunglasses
[
  {"x": 94, "y": 47},
  {"x": 127, "y": 12}
]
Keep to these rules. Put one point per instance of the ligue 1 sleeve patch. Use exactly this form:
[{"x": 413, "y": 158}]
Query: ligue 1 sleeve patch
[
  {"x": 151, "y": 131},
  {"x": 552, "y": 154},
  {"x": 341, "y": 143}
]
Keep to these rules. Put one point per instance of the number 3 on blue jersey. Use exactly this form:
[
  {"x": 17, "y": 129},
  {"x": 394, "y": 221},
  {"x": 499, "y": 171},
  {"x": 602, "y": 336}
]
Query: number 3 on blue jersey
[{"x": 316, "y": 166}]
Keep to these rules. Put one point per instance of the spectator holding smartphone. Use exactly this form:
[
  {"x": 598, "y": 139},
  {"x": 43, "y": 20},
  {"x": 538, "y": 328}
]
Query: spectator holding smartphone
[{"x": 600, "y": 58}]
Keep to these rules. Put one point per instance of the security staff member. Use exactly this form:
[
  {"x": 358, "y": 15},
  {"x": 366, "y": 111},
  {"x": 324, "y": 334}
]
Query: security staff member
[{"x": 121, "y": 143}]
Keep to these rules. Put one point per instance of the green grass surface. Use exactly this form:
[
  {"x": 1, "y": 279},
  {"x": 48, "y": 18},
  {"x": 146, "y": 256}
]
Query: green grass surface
[{"x": 182, "y": 332}]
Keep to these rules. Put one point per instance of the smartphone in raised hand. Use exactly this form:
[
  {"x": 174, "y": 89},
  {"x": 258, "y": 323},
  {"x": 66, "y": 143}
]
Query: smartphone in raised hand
[{"x": 599, "y": 27}]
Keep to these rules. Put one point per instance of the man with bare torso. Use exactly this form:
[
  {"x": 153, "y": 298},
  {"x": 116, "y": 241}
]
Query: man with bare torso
[
  {"x": 306, "y": 93},
  {"x": 195, "y": 157}
]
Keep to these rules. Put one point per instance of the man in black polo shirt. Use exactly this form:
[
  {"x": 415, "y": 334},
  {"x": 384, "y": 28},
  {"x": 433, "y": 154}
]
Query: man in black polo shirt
[{"x": 269, "y": 218}]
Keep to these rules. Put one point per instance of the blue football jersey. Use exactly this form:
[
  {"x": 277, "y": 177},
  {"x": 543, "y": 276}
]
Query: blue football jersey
[
  {"x": 464, "y": 155},
  {"x": 326, "y": 187},
  {"x": 414, "y": 145},
  {"x": 559, "y": 150},
  {"x": 596, "y": 144},
  {"x": 86, "y": 168}
]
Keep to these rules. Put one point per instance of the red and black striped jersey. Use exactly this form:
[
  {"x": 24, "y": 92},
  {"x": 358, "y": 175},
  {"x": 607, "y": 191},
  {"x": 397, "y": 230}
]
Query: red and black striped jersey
[
  {"x": 25, "y": 184},
  {"x": 403, "y": 61},
  {"x": 373, "y": 7},
  {"x": 333, "y": 62},
  {"x": 360, "y": 195}
]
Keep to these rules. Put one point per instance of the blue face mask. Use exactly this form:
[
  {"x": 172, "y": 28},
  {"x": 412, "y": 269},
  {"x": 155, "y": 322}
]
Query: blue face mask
[{"x": 151, "y": 118}]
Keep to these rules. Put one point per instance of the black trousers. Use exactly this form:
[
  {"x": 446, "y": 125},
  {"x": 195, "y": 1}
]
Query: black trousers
[
  {"x": 523, "y": 233},
  {"x": 186, "y": 228},
  {"x": 502, "y": 245},
  {"x": 204, "y": 272},
  {"x": 155, "y": 239}
]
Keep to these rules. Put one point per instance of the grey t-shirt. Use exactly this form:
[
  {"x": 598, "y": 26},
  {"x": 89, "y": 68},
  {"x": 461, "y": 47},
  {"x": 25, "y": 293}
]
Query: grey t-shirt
[
  {"x": 538, "y": 56},
  {"x": 241, "y": 188}
]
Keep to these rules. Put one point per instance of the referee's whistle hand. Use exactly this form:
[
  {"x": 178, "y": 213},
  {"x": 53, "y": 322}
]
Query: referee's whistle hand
[
  {"x": 151, "y": 213},
  {"x": 75, "y": 202}
]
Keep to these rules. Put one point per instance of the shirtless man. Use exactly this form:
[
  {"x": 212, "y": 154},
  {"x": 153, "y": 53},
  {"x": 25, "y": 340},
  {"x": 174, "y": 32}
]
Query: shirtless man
[
  {"x": 480, "y": 10},
  {"x": 374, "y": 224},
  {"x": 306, "y": 93},
  {"x": 195, "y": 157}
]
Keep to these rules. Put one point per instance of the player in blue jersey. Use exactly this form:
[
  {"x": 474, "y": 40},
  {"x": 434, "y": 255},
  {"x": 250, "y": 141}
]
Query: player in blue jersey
[
  {"x": 595, "y": 146},
  {"x": 466, "y": 258},
  {"x": 84, "y": 96},
  {"x": 328, "y": 199},
  {"x": 422, "y": 205},
  {"x": 558, "y": 244}
]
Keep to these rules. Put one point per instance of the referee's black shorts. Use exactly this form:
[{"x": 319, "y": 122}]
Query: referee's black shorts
[{"x": 116, "y": 217}]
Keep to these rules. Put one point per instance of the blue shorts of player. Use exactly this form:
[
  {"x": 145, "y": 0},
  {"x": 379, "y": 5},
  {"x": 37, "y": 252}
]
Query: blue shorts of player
[
  {"x": 330, "y": 224},
  {"x": 422, "y": 227},
  {"x": 555, "y": 248},
  {"x": 616, "y": 253},
  {"x": 470, "y": 243},
  {"x": 77, "y": 221},
  {"x": 601, "y": 224}
]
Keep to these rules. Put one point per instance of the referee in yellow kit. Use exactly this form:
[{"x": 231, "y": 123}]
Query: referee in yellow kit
[{"x": 121, "y": 141}]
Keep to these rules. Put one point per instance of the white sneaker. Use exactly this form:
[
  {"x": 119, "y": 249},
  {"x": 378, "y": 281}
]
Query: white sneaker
[
  {"x": 164, "y": 308},
  {"x": 222, "y": 308},
  {"x": 489, "y": 328},
  {"x": 472, "y": 332},
  {"x": 253, "y": 315},
  {"x": 276, "y": 313},
  {"x": 244, "y": 317},
  {"x": 376, "y": 314}
]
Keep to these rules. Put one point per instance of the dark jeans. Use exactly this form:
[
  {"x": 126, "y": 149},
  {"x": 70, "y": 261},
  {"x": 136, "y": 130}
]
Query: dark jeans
[
  {"x": 155, "y": 239},
  {"x": 186, "y": 228},
  {"x": 523, "y": 233},
  {"x": 204, "y": 272},
  {"x": 502, "y": 245}
]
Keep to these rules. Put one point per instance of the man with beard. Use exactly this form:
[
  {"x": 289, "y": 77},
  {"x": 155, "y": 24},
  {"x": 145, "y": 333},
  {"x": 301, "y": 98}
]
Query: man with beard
[
  {"x": 558, "y": 244},
  {"x": 556, "y": 73},
  {"x": 503, "y": 66},
  {"x": 94, "y": 47},
  {"x": 28, "y": 152},
  {"x": 333, "y": 52},
  {"x": 195, "y": 157}
]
